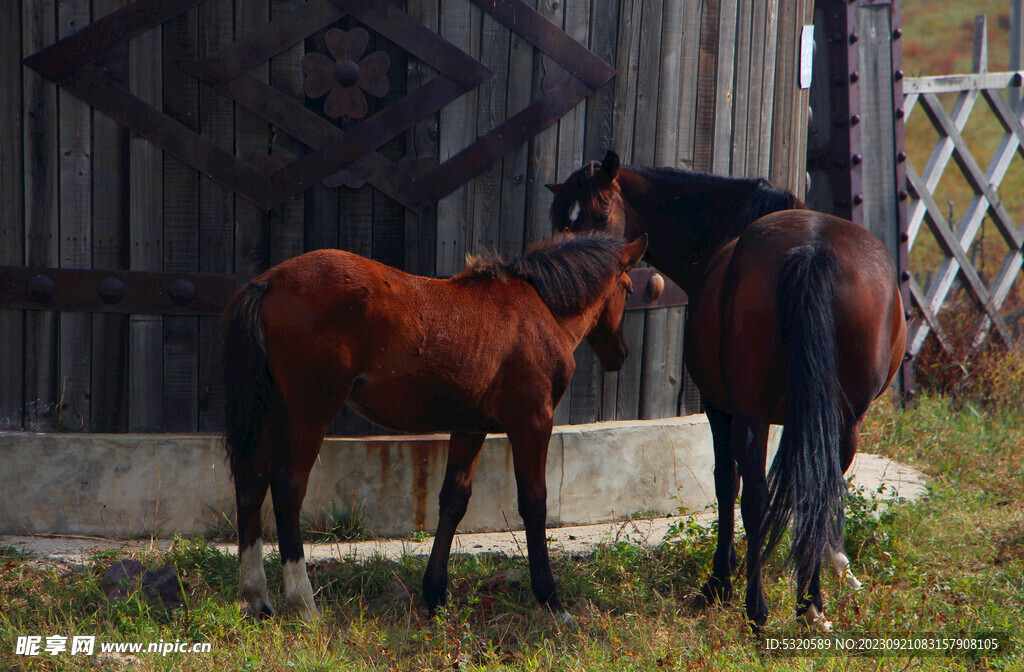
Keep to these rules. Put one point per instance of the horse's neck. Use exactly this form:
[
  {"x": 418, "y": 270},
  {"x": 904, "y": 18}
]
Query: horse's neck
[{"x": 686, "y": 223}]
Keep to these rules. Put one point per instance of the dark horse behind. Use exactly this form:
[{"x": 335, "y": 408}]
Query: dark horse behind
[
  {"x": 490, "y": 350},
  {"x": 795, "y": 318}
]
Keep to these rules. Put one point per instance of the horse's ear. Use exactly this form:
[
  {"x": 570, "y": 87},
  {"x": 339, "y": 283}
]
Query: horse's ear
[
  {"x": 611, "y": 164},
  {"x": 554, "y": 187},
  {"x": 633, "y": 252}
]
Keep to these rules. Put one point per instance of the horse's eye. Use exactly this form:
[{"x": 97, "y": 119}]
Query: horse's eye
[{"x": 603, "y": 218}]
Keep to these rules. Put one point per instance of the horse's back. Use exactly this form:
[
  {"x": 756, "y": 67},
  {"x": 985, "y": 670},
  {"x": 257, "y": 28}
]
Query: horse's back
[
  {"x": 741, "y": 300},
  {"x": 405, "y": 350}
]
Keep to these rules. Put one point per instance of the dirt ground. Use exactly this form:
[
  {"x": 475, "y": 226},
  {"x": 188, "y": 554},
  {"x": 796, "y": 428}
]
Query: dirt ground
[{"x": 869, "y": 471}]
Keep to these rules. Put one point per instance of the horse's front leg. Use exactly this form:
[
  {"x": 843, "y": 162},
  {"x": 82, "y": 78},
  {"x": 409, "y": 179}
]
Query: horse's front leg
[
  {"x": 719, "y": 584},
  {"x": 463, "y": 454},
  {"x": 529, "y": 456}
]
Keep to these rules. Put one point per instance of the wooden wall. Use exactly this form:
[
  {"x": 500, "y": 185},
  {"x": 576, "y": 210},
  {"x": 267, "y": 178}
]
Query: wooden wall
[{"x": 704, "y": 84}]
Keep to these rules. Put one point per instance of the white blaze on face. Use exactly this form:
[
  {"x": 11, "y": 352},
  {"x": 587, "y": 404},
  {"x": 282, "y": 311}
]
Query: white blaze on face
[
  {"x": 574, "y": 212},
  {"x": 298, "y": 592}
]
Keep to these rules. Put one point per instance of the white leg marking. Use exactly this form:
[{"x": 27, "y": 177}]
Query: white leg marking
[
  {"x": 253, "y": 579},
  {"x": 841, "y": 564},
  {"x": 815, "y": 619},
  {"x": 298, "y": 592}
]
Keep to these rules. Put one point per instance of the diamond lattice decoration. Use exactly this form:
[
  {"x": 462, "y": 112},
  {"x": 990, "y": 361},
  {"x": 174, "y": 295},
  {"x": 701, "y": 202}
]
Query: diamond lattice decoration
[
  {"x": 77, "y": 64},
  {"x": 986, "y": 202}
]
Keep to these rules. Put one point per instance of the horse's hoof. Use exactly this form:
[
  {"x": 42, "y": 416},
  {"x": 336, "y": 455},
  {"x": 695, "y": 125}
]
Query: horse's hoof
[
  {"x": 815, "y": 620},
  {"x": 714, "y": 590},
  {"x": 563, "y": 618},
  {"x": 261, "y": 610}
]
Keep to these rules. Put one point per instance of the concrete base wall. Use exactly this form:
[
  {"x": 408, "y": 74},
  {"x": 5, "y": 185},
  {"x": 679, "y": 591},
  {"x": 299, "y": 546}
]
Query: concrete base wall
[{"x": 125, "y": 485}]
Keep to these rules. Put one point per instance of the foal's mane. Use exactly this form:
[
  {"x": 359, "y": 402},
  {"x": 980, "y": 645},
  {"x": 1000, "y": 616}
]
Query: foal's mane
[{"x": 567, "y": 271}]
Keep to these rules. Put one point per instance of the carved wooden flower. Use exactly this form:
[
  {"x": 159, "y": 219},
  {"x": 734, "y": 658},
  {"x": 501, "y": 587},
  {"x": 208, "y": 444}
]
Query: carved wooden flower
[{"x": 342, "y": 78}]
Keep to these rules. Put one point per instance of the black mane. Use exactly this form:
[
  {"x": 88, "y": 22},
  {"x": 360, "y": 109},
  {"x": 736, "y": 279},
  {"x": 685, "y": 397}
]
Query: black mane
[
  {"x": 567, "y": 271},
  {"x": 763, "y": 199}
]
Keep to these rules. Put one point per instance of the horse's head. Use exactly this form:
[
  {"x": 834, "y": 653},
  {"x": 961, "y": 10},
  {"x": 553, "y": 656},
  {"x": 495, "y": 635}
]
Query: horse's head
[
  {"x": 590, "y": 199},
  {"x": 606, "y": 338}
]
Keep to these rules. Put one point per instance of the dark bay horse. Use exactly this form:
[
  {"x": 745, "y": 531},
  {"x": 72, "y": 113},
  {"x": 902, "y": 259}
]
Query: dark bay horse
[
  {"x": 489, "y": 350},
  {"x": 795, "y": 318}
]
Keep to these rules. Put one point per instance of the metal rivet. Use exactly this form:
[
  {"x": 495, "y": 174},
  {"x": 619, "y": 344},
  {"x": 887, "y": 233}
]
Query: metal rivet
[
  {"x": 906, "y": 314},
  {"x": 902, "y": 195},
  {"x": 857, "y": 199},
  {"x": 856, "y": 159},
  {"x": 904, "y": 237},
  {"x": 41, "y": 289},
  {"x": 899, "y": 112},
  {"x": 897, "y": 34},
  {"x": 854, "y": 76},
  {"x": 112, "y": 290},
  {"x": 182, "y": 293},
  {"x": 853, "y": 38},
  {"x": 898, "y": 75},
  {"x": 901, "y": 156},
  {"x": 905, "y": 275},
  {"x": 854, "y": 119}
]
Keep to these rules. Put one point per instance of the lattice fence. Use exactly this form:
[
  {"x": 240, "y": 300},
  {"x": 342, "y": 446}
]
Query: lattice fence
[{"x": 955, "y": 238}]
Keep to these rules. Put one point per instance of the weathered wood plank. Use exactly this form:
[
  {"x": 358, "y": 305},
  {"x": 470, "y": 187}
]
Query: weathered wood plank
[
  {"x": 421, "y": 143},
  {"x": 755, "y": 85},
  {"x": 648, "y": 84},
  {"x": 543, "y": 151},
  {"x": 460, "y": 24},
  {"x": 252, "y": 139},
  {"x": 492, "y": 96},
  {"x": 768, "y": 87},
  {"x": 627, "y": 401},
  {"x": 145, "y": 212},
  {"x": 878, "y": 128},
  {"x": 109, "y": 235},
  {"x": 688, "y": 73},
  {"x": 743, "y": 74},
  {"x": 75, "y": 138},
  {"x": 627, "y": 57},
  {"x": 12, "y": 212},
  {"x": 41, "y": 217},
  {"x": 389, "y": 214},
  {"x": 707, "y": 87},
  {"x": 721, "y": 153},
  {"x": 181, "y": 231},
  {"x": 515, "y": 166},
  {"x": 666, "y": 149},
  {"x": 286, "y": 220},
  {"x": 216, "y": 211}
]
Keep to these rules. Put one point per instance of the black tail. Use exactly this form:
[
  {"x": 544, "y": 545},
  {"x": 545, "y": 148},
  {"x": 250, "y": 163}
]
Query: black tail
[
  {"x": 247, "y": 381},
  {"x": 806, "y": 479}
]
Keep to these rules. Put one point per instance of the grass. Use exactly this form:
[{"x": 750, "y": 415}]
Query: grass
[{"x": 950, "y": 563}]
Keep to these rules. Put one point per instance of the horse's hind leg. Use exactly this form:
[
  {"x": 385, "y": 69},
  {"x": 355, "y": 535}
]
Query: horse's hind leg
[
  {"x": 840, "y": 562},
  {"x": 250, "y": 491},
  {"x": 529, "y": 456},
  {"x": 719, "y": 584},
  {"x": 750, "y": 444},
  {"x": 288, "y": 479},
  {"x": 463, "y": 453}
]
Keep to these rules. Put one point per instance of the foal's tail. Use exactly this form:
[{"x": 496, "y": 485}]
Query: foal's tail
[
  {"x": 247, "y": 381},
  {"x": 806, "y": 479}
]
